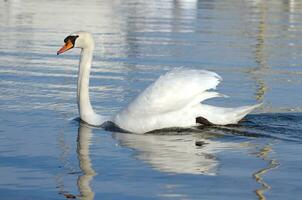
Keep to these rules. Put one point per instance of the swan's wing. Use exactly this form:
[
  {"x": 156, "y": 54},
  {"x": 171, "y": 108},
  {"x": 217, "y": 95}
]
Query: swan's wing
[{"x": 174, "y": 90}]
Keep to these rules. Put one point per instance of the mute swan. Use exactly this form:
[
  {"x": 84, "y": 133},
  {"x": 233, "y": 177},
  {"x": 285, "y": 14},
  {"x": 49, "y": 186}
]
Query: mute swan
[{"x": 173, "y": 100}]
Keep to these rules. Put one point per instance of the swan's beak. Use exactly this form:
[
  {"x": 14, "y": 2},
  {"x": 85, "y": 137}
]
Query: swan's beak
[{"x": 68, "y": 45}]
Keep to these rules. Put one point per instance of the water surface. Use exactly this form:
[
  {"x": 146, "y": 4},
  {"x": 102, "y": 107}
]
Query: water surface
[{"x": 46, "y": 154}]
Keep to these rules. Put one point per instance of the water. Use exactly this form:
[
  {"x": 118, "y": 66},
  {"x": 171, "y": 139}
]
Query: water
[{"x": 46, "y": 154}]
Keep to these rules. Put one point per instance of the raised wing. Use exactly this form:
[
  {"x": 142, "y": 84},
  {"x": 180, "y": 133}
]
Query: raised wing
[{"x": 173, "y": 91}]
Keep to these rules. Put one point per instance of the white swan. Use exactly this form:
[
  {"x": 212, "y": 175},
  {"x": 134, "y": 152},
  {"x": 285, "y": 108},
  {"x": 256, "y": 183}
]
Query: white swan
[{"x": 173, "y": 100}]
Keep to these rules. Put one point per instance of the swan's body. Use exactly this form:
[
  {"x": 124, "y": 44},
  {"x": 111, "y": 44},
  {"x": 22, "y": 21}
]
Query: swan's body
[{"x": 173, "y": 100}]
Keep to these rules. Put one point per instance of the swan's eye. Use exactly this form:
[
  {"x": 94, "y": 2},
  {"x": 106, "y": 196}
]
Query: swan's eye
[{"x": 72, "y": 38}]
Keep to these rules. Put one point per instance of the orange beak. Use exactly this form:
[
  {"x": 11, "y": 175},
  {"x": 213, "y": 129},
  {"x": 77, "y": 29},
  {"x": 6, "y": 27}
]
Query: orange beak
[{"x": 68, "y": 45}]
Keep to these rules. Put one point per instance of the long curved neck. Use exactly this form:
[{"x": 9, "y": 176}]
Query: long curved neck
[{"x": 85, "y": 109}]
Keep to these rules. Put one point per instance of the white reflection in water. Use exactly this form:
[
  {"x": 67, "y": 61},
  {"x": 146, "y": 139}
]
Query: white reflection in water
[
  {"x": 87, "y": 172},
  {"x": 184, "y": 154},
  {"x": 84, "y": 138}
]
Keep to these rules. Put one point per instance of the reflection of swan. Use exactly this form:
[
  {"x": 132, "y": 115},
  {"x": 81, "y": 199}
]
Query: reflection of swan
[
  {"x": 84, "y": 137},
  {"x": 172, "y": 101},
  {"x": 176, "y": 153}
]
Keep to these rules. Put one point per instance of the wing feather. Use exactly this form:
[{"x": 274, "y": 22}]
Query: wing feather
[{"x": 173, "y": 90}]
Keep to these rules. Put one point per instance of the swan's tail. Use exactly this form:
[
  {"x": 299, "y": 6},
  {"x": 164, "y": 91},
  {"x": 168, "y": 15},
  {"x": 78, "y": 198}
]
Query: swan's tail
[
  {"x": 225, "y": 116},
  {"x": 241, "y": 112}
]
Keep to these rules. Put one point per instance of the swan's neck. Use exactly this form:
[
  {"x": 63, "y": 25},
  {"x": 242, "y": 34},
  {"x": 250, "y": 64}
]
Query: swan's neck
[{"x": 85, "y": 109}]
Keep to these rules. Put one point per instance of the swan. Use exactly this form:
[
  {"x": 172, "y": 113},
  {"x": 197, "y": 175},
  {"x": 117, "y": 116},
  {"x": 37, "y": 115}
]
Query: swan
[{"x": 173, "y": 100}]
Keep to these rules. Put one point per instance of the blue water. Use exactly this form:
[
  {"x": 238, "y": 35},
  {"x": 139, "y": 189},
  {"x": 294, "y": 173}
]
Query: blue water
[{"x": 46, "y": 153}]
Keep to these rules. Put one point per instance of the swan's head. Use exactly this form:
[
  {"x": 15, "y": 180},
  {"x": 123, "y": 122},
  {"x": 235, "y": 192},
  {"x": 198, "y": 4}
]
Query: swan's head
[{"x": 79, "y": 39}]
